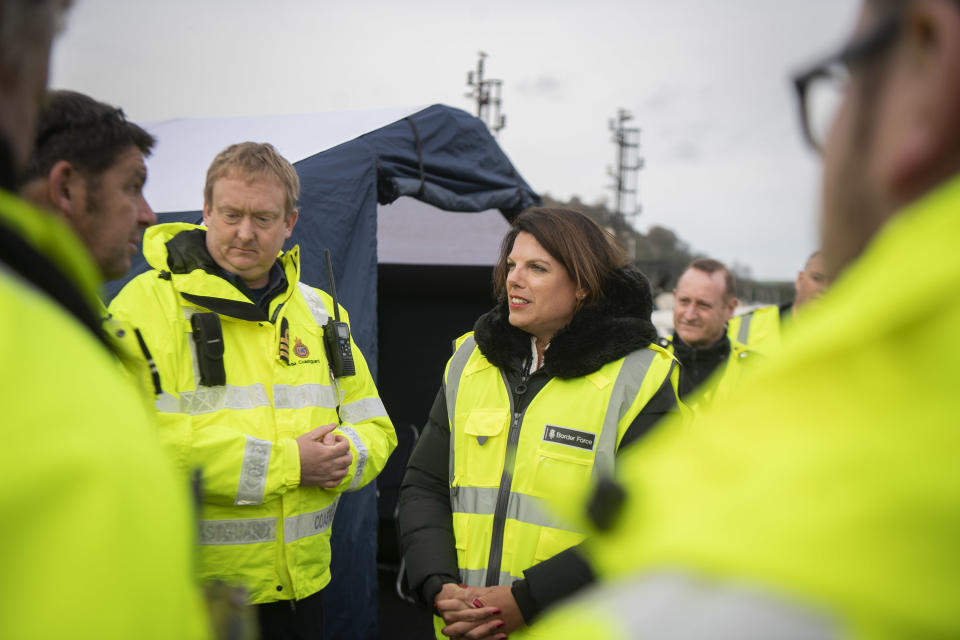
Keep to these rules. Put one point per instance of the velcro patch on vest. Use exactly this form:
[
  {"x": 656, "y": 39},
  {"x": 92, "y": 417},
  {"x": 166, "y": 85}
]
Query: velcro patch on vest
[{"x": 569, "y": 437}]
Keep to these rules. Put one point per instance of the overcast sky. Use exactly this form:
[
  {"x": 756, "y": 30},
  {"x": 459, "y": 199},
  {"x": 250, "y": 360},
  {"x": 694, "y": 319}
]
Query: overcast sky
[{"x": 707, "y": 80}]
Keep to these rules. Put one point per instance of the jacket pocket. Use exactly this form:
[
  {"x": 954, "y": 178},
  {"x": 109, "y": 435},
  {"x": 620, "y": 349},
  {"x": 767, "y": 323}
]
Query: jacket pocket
[
  {"x": 483, "y": 447},
  {"x": 557, "y": 472}
]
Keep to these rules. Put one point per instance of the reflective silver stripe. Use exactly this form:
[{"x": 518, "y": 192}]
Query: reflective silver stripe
[
  {"x": 362, "y": 455},
  {"x": 520, "y": 506},
  {"x": 478, "y": 577},
  {"x": 166, "y": 403},
  {"x": 253, "y": 471},
  {"x": 243, "y": 531},
  {"x": 309, "y": 524},
  {"x": 454, "y": 372},
  {"x": 362, "y": 410},
  {"x": 534, "y": 511},
  {"x": 680, "y": 607},
  {"x": 630, "y": 378},
  {"x": 304, "y": 396},
  {"x": 211, "y": 399},
  {"x": 314, "y": 303},
  {"x": 479, "y": 500},
  {"x": 744, "y": 330}
]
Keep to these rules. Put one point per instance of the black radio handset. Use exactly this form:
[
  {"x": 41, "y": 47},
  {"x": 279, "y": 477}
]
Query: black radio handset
[{"x": 336, "y": 335}]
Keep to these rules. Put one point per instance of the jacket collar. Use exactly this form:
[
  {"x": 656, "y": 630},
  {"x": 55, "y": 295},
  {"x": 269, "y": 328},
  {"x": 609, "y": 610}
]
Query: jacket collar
[
  {"x": 719, "y": 350},
  {"x": 44, "y": 251},
  {"x": 179, "y": 252},
  {"x": 599, "y": 333}
]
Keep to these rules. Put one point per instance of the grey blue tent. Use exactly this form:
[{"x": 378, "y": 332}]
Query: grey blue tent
[{"x": 387, "y": 192}]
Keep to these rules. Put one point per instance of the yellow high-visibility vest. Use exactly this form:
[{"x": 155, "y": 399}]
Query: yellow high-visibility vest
[
  {"x": 757, "y": 330},
  {"x": 505, "y": 464},
  {"x": 722, "y": 382}
]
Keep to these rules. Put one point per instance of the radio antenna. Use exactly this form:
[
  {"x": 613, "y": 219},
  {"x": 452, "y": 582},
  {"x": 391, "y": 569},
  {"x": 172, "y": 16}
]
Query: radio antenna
[{"x": 333, "y": 288}]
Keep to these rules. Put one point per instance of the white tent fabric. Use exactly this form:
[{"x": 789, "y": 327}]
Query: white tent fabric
[
  {"x": 177, "y": 170},
  {"x": 467, "y": 239},
  {"x": 178, "y": 166}
]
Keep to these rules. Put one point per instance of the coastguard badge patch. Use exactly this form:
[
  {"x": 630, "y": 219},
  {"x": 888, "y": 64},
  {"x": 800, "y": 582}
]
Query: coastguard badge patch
[{"x": 300, "y": 350}]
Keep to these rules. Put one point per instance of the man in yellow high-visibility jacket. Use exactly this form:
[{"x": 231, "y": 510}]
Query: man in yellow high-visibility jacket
[
  {"x": 248, "y": 393},
  {"x": 711, "y": 362},
  {"x": 826, "y": 502}
]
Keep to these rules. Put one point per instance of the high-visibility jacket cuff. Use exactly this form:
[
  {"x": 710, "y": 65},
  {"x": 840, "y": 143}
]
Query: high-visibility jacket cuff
[
  {"x": 289, "y": 454},
  {"x": 359, "y": 453}
]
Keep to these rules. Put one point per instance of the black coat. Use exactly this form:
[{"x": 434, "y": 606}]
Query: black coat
[
  {"x": 697, "y": 365},
  {"x": 599, "y": 333}
]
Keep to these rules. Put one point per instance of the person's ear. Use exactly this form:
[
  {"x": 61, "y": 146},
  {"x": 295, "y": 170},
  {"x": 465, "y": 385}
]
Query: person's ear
[
  {"x": 923, "y": 99},
  {"x": 62, "y": 189},
  {"x": 731, "y": 306},
  {"x": 290, "y": 221}
]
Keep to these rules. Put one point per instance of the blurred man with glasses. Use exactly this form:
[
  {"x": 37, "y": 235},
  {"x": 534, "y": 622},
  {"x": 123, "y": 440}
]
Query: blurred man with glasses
[{"x": 826, "y": 502}]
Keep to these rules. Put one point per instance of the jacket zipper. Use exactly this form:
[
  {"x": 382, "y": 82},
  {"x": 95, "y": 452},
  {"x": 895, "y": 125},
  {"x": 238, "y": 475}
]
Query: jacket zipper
[{"x": 503, "y": 495}]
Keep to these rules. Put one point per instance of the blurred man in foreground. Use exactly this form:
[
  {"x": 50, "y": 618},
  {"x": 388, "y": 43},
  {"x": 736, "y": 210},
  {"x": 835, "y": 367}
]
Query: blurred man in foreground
[
  {"x": 96, "y": 532},
  {"x": 826, "y": 502}
]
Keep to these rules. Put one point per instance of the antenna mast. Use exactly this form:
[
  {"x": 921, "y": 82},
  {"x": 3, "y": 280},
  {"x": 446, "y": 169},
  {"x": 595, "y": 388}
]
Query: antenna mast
[
  {"x": 629, "y": 164},
  {"x": 486, "y": 92}
]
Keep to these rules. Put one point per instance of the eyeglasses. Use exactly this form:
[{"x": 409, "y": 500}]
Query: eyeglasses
[{"x": 821, "y": 88}]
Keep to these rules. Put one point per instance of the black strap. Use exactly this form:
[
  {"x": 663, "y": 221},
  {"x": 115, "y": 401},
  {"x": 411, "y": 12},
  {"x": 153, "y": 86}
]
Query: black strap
[
  {"x": 208, "y": 336},
  {"x": 154, "y": 373},
  {"x": 232, "y": 308},
  {"x": 419, "y": 147}
]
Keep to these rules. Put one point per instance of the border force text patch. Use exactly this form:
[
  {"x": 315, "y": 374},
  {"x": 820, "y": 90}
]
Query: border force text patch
[{"x": 569, "y": 437}]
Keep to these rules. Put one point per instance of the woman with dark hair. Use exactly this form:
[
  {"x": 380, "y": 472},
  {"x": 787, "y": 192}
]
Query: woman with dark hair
[{"x": 551, "y": 384}]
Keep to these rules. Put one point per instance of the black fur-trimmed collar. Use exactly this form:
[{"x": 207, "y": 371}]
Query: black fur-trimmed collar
[{"x": 599, "y": 333}]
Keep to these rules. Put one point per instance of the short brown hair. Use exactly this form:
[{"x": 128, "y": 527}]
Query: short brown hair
[
  {"x": 588, "y": 252},
  {"x": 251, "y": 159},
  {"x": 711, "y": 266},
  {"x": 88, "y": 134}
]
